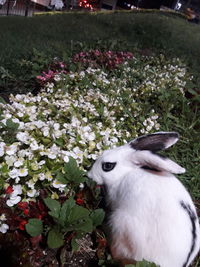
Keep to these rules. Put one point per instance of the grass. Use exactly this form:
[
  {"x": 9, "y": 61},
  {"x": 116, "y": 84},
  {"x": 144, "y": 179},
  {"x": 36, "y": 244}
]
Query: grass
[{"x": 64, "y": 33}]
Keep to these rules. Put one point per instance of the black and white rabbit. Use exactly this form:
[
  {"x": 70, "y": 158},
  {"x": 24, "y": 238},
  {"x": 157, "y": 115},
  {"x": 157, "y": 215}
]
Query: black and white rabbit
[{"x": 153, "y": 216}]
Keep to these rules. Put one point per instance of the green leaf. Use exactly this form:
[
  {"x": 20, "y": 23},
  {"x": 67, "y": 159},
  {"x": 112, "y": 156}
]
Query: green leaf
[
  {"x": 55, "y": 239},
  {"x": 66, "y": 209},
  {"x": 2, "y": 100},
  {"x": 4, "y": 168},
  {"x": 74, "y": 245},
  {"x": 54, "y": 206},
  {"x": 84, "y": 226},
  {"x": 72, "y": 172},
  {"x": 61, "y": 178},
  {"x": 34, "y": 227},
  {"x": 78, "y": 213},
  {"x": 97, "y": 217},
  {"x": 12, "y": 125},
  {"x": 60, "y": 142},
  {"x": 2, "y": 182},
  {"x": 46, "y": 141},
  {"x": 193, "y": 92}
]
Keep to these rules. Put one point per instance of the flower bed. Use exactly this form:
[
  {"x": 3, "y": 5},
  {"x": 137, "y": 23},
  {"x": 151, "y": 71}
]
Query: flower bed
[{"x": 49, "y": 140}]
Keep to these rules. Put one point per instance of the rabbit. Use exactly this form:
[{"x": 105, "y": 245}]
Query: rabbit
[{"x": 152, "y": 215}]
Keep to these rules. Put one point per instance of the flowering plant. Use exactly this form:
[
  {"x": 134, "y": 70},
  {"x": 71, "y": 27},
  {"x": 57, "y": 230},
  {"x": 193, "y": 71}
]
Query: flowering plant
[{"x": 48, "y": 140}]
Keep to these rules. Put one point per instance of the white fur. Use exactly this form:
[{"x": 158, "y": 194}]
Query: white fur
[{"x": 146, "y": 207}]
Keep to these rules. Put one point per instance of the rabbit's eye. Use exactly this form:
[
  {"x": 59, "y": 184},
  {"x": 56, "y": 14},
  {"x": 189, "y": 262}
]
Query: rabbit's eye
[{"x": 108, "y": 166}]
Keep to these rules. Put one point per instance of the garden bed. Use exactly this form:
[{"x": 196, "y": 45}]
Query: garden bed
[{"x": 49, "y": 139}]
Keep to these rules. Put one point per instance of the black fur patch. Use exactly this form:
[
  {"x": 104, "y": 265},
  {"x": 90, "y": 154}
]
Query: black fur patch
[
  {"x": 150, "y": 168},
  {"x": 153, "y": 142},
  {"x": 193, "y": 219}
]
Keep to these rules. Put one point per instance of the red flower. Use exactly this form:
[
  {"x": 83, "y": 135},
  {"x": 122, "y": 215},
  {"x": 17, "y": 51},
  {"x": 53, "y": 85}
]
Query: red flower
[
  {"x": 22, "y": 225},
  {"x": 79, "y": 201},
  {"x": 26, "y": 212},
  {"x": 9, "y": 190},
  {"x": 22, "y": 205}
]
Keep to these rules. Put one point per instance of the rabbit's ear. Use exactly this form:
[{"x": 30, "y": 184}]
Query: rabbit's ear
[
  {"x": 150, "y": 161},
  {"x": 155, "y": 142}
]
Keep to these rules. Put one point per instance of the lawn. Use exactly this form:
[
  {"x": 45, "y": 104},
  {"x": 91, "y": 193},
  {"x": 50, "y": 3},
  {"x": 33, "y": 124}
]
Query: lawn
[{"x": 73, "y": 95}]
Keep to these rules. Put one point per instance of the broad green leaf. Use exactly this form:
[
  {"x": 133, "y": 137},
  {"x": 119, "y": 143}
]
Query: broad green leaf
[
  {"x": 78, "y": 213},
  {"x": 34, "y": 227},
  {"x": 84, "y": 226},
  {"x": 55, "y": 239},
  {"x": 54, "y": 207},
  {"x": 12, "y": 125},
  {"x": 97, "y": 217},
  {"x": 66, "y": 209},
  {"x": 72, "y": 172}
]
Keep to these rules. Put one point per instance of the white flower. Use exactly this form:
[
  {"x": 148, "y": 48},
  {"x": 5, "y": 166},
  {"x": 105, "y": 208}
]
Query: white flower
[
  {"x": 2, "y": 148},
  {"x": 23, "y": 172},
  {"x": 58, "y": 185},
  {"x": 20, "y": 114},
  {"x": 56, "y": 126},
  {"x": 48, "y": 176},
  {"x": 19, "y": 162},
  {"x": 66, "y": 158},
  {"x": 39, "y": 124},
  {"x": 23, "y": 137},
  {"x": 57, "y": 78},
  {"x": 42, "y": 162},
  {"x": 12, "y": 149},
  {"x": 34, "y": 145},
  {"x": 32, "y": 193},
  {"x": 31, "y": 184},
  {"x": 13, "y": 201},
  {"x": 3, "y": 217},
  {"x": 45, "y": 131},
  {"x": 10, "y": 160},
  {"x": 57, "y": 134},
  {"x": 77, "y": 153},
  {"x": 51, "y": 155},
  {"x": 17, "y": 190},
  {"x": 3, "y": 228},
  {"x": 41, "y": 176},
  {"x": 14, "y": 173}
]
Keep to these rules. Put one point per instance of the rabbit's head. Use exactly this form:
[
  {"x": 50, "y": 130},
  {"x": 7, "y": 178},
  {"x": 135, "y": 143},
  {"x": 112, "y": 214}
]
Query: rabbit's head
[{"x": 114, "y": 164}]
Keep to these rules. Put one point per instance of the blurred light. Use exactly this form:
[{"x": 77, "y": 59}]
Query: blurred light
[{"x": 179, "y": 6}]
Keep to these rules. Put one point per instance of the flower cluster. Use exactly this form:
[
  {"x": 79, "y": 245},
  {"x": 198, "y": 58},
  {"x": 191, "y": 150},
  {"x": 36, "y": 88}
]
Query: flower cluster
[
  {"x": 108, "y": 59},
  {"x": 57, "y": 67}
]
